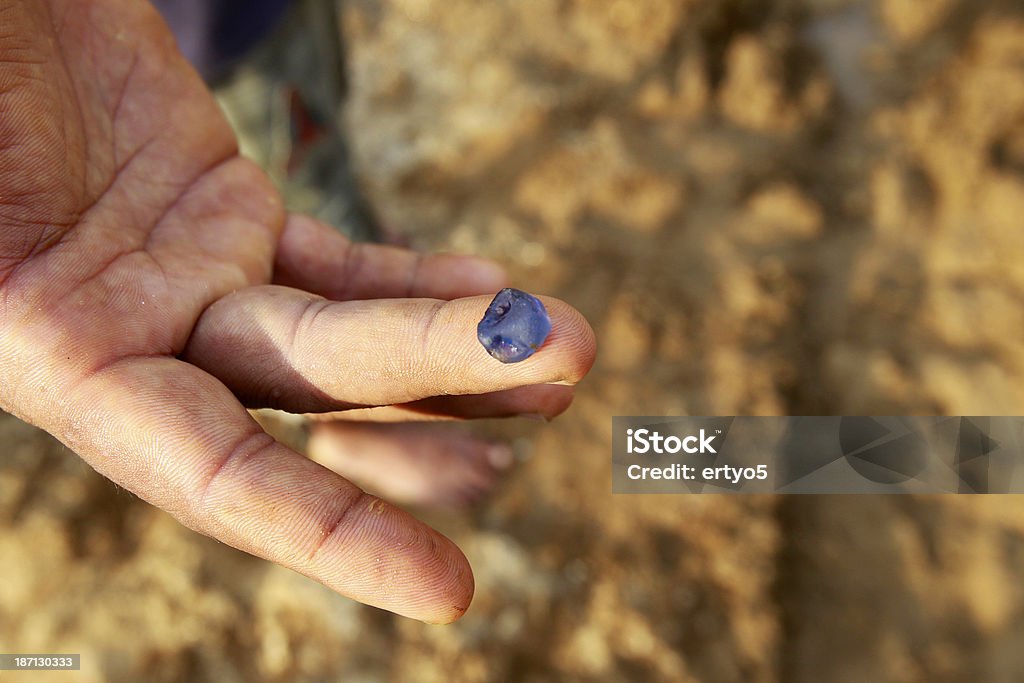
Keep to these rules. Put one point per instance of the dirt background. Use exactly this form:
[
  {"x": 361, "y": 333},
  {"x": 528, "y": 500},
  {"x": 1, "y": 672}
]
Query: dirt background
[{"x": 796, "y": 207}]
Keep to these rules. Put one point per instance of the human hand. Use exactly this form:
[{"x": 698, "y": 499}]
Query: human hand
[{"x": 151, "y": 283}]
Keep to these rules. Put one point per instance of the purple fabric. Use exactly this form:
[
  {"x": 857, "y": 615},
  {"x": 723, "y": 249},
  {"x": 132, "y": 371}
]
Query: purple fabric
[{"x": 214, "y": 33}]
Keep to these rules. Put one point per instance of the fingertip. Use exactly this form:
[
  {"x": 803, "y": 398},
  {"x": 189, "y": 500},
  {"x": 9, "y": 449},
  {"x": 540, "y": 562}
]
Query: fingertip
[
  {"x": 537, "y": 401},
  {"x": 449, "y": 584},
  {"x": 387, "y": 558},
  {"x": 458, "y": 599},
  {"x": 572, "y": 339},
  {"x": 558, "y": 399}
]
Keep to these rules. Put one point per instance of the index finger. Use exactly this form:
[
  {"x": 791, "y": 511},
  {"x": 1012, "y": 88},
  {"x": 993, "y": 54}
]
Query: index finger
[{"x": 284, "y": 348}]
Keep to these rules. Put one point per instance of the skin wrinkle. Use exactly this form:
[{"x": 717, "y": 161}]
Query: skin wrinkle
[
  {"x": 305, "y": 324},
  {"x": 8, "y": 271},
  {"x": 86, "y": 151},
  {"x": 79, "y": 108},
  {"x": 249, "y": 446},
  {"x": 191, "y": 184},
  {"x": 9, "y": 56},
  {"x": 425, "y": 333},
  {"x": 123, "y": 166},
  {"x": 107, "y": 265},
  {"x": 120, "y": 96},
  {"x": 48, "y": 234},
  {"x": 104, "y": 283},
  {"x": 241, "y": 268},
  {"x": 69, "y": 425},
  {"x": 348, "y": 508},
  {"x": 107, "y": 366},
  {"x": 167, "y": 209},
  {"x": 49, "y": 241}
]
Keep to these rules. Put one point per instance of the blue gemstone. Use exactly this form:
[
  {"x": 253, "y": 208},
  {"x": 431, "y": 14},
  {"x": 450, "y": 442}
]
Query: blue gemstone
[{"x": 514, "y": 326}]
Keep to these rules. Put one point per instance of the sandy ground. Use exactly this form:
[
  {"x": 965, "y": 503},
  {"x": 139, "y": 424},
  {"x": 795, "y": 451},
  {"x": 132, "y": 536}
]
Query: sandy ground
[{"x": 797, "y": 207}]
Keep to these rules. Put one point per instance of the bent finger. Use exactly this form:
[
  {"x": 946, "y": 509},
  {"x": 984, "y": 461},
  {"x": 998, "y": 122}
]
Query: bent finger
[
  {"x": 178, "y": 438},
  {"x": 545, "y": 401},
  {"x": 282, "y": 348},
  {"x": 314, "y": 257}
]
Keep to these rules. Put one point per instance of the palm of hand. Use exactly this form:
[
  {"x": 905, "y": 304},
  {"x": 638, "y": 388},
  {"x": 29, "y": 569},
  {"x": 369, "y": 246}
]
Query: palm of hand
[
  {"x": 132, "y": 243},
  {"x": 130, "y": 201}
]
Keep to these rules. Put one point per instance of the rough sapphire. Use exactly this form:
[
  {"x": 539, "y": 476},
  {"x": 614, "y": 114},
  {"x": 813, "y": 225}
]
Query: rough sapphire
[{"x": 514, "y": 326}]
